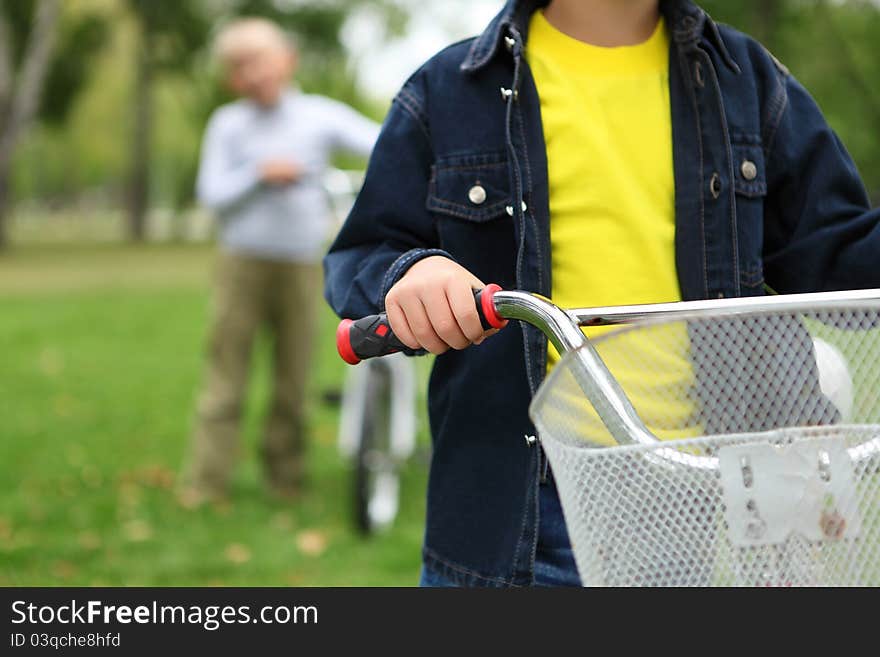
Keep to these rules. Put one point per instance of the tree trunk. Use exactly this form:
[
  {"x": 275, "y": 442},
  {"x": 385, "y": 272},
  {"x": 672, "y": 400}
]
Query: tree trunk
[
  {"x": 20, "y": 104},
  {"x": 139, "y": 177},
  {"x": 767, "y": 17}
]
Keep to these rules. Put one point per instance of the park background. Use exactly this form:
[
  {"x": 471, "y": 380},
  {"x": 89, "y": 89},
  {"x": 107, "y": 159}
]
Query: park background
[{"x": 105, "y": 265}]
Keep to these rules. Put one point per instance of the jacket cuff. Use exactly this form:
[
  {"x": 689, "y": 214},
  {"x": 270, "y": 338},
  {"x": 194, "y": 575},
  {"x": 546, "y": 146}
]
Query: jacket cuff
[{"x": 400, "y": 266}]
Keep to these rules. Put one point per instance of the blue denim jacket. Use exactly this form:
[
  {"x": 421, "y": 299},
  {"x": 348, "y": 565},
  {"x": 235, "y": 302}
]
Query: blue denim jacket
[{"x": 765, "y": 194}]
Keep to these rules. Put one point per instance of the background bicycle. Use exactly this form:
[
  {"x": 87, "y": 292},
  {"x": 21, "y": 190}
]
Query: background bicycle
[{"x": 379, "y": 419}]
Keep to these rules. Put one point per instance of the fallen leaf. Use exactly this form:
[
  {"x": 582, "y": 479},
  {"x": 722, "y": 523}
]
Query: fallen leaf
[
  {"x": 63, "y": 569},
  {"x": 138, "y": 531},
  {"x": 129, "y": 494},
  {"x": 158, "y": 476},
  {"x": 311, "y": 542},
  {"x": 89, "y": 540},
  {"x": 237, "y": 553},
  {"x": 294, "y": 579}
]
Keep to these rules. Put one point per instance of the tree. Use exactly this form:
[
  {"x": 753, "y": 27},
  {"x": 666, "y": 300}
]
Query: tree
[
  {"x": 22, "y": 76},
  {"x": 171, "y": 33},
  {"x": 45, "y": 61}
]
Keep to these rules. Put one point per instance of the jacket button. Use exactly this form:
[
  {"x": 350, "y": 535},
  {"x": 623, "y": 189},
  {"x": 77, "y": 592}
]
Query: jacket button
[
  {"x": 749, "y": 170},
  {"x": 698, "y": 75},
  {"x": 477, "y": 194},
  {"x": 715, "y": 185}
]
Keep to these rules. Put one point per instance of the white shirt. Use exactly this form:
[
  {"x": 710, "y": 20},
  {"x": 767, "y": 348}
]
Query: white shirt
[{"x": 289, "y": 222}]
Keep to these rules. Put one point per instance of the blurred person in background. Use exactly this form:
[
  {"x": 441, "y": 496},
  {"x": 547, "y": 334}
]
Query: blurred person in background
[{"x": 261, "y": 169}]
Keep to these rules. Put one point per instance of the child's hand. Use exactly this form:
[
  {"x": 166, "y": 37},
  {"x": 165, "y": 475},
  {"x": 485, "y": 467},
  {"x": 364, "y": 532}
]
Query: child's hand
[
  {"x": 432, "y": 307},
  {"x": 280, "y": 172}
]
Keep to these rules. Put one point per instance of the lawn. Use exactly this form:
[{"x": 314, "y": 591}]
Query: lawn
[{"x": 102, "y": 356}]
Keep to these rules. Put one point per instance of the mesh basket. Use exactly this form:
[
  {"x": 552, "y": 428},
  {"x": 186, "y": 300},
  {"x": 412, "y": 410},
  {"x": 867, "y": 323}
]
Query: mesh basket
[{"x": 773, "y": 477}]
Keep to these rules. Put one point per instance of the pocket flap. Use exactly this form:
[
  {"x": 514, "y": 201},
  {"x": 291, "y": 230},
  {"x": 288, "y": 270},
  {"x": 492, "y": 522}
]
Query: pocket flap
[
  {"x": 475, "y": 187},
  {"x": 748, "y": 170}
]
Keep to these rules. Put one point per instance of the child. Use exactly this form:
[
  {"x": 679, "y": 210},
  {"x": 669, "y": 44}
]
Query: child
[
  {"x": 597, "y": 152},
  {"x": 260, "y": 171}
]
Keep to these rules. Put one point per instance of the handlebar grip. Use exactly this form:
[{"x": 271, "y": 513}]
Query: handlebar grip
[{"x": 371, "y": 337}]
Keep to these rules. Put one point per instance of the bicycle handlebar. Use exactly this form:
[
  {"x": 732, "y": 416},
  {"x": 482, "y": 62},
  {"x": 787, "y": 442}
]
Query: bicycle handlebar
[{"x": 372, "y": 336}]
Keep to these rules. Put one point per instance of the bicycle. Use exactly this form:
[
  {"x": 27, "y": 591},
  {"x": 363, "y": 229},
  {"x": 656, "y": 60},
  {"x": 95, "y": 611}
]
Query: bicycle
[
  {"x": 377, "y": 432},
  {"x": 774, "y": 478},
  {"x": 378, "y": 422}
]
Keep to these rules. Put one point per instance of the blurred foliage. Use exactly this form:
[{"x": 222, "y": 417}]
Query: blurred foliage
[
  {"x": 177, "y": 30},
  {"x": 834, "y": 50},
  {"x": 79, "y": 43},
  {"x": 81, "y": 149},
  {"x": 82, "y": 36}
]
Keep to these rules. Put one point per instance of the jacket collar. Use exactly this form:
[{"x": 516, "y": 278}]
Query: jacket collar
[{"x": 688, "y": 25}]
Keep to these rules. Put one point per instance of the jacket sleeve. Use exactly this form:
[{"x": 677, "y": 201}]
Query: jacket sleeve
[
  {"x": 820, "y": 232},
  {"x": 389, "y": 228}
]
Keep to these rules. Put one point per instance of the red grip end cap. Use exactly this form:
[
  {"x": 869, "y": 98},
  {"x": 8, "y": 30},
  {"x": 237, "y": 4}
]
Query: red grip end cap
[
  {"x": 343, "y": 342},
  {"x": 487, "y": 301}
]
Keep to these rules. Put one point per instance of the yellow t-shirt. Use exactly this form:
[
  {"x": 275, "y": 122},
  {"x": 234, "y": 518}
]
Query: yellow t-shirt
[{"x": 608, "y": 130}]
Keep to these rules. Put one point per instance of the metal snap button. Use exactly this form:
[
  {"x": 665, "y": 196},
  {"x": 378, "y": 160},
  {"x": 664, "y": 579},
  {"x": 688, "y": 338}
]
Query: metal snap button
[
  {"x": 510, "y": 42},
  {"x": 698, "y": 74},
  {"x": 507, "y": 94},
  {"x": 749, "y": 170},
  {"x": 477, "y": 194},
  {"x": 715, "y": 185}
]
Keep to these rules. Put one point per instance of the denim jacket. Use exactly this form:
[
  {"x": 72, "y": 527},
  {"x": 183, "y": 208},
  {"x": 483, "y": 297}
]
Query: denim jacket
[{"x": 766, "y": 196}]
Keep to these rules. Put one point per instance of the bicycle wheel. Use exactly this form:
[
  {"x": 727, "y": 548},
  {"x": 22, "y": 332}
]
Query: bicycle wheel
[{"x": 376, "y": 481}]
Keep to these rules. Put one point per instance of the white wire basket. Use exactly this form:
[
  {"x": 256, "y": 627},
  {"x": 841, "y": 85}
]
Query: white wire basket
[{"x": 767, "y": 467}]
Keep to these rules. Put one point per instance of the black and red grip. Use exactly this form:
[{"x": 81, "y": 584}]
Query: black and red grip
[{"x": 372, "y": 336}]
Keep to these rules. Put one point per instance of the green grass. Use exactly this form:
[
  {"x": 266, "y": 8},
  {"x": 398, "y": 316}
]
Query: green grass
[{"x": 102, "y": 359}]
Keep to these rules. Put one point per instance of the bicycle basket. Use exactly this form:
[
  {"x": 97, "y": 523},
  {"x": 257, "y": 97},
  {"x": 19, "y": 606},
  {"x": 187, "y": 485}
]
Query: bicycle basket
[{"x": 773, "y": 477}]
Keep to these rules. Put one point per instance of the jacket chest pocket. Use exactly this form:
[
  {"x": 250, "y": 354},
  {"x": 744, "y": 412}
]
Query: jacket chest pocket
[
  {"x": 469, "y": 197},
  {"x": 750, "y": 185}
]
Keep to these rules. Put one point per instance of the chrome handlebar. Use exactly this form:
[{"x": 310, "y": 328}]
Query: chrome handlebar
[{"x": 562, "y": 328}]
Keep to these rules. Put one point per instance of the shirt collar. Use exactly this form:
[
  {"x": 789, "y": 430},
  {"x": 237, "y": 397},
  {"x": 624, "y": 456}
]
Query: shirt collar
[
  {"x": 286, "y": 98},
  {"x": 687, "y": 23}
]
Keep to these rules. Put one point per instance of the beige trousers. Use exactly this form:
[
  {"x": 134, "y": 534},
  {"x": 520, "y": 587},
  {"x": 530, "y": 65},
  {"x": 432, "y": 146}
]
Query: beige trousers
[{"x": 251, "y": 294}]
